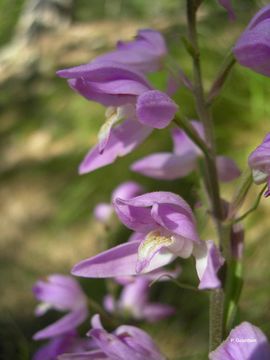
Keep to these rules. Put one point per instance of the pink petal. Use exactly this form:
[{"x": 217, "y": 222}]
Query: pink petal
[
  {"x": 154, "y": 312},
  {"x": 175, "y": 220},
  {"x": 208, "y": 262},
  {"x": 123, "y": 139},
  {"x": 155, "y": 109},
  {"x": 65, "y": 324},
  {"x": 227, "y": 169},
  {"x": 127, "y": 190},
  {"x": 118, "y": 261},
  {"x": 166, "y": 166}
]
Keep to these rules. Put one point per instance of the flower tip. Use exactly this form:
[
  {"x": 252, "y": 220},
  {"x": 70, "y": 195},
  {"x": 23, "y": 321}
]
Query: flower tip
[
  {"x": 82, "y": 169},
  {"x": 118, "y": 201},
  {"x": 267, "y": 193},
  {"x": 76, "y": 270},
  {"x": 82, "y": 270},
  {"x": 61, "y": 73},
  {"x": 37, "y": 336}
]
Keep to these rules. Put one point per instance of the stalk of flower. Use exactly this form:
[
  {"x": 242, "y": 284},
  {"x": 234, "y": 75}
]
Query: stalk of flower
[
  {"x": 61, "y": 293},
  {"x": 126, "y": 342}
]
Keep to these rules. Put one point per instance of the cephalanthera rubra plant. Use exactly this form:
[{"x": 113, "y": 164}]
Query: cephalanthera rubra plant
[{"x": 163, "y": 223}]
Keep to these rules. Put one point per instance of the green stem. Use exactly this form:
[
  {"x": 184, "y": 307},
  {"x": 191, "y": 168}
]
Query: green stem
[
  {"x": 211, "y": 178},
  {"x": 253, "y": 207},
  {"x": 240, "y": 194},
  {"x": 233, "y": 288},
  {"x": 203, "y": 111},
  {"x": 216, "y": 318},
  {"x": 192, "y": 134},
  {"x": 220, "y": 79},
  {"x": 178, "y": 283}
]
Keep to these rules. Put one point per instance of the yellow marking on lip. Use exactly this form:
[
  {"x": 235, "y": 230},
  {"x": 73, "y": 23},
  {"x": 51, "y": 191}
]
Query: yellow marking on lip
[
  {"x": 113, "y": 116},
  {"x": 152, "y": 242}
]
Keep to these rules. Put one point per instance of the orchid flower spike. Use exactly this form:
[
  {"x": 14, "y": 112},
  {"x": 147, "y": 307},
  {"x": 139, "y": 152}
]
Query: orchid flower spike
[
  {"x": 259, "y": 162},
  {"x": 167, "y": 230},
  {"x": 126, "y": 342},
  {"x": 62, "y": 293},
  {"x": 253, "y": 47}
]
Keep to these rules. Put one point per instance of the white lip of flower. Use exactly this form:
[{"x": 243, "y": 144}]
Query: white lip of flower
[
  {"x": 259, "y": 177},
  {"x": 200, "y": 253},
  {"x": 153, "y": 241},
  {"x": 113, "y": 116},
  {"x": 158, "y": 239},
  {"x": 42, "y": 308}
]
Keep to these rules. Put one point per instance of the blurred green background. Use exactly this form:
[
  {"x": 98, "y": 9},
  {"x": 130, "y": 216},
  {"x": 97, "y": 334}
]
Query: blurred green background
[{"x": 46, "y": 221}]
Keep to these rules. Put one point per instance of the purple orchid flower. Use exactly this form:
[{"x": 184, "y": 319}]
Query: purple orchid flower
[
  {"x": 66, "y": 343},
  {"x": 259, "y": 162},
  {"x": 134, "y": 302},
  {"x": 245, "y": 342},
  {"x": 126, "y": 342},
  {"x": 130, "y": 100},
  {"x": 253, "y": 47},
  {"x": 145, "y": 53},
  {"x": 112, "y": 84},
  {"x": 126, "y": 190},
  {"x": 61, "y": 293},
  {"x": 169, "y": 229},
  {"x": 226, "y": 4},
  {"x": 183, "y": 160}
]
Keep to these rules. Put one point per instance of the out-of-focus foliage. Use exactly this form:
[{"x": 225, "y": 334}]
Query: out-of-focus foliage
[{"x": 9, "y": 13}]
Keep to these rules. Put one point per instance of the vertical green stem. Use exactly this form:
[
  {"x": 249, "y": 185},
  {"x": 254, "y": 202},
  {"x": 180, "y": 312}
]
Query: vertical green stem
[
  {"x": 211, "y": 178},
  {"x": 203, "y": 111},
  {"x": 216, "y": 318}
]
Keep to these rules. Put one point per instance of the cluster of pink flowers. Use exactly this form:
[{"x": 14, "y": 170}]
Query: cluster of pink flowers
[{"x": 163, "y": 224}]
